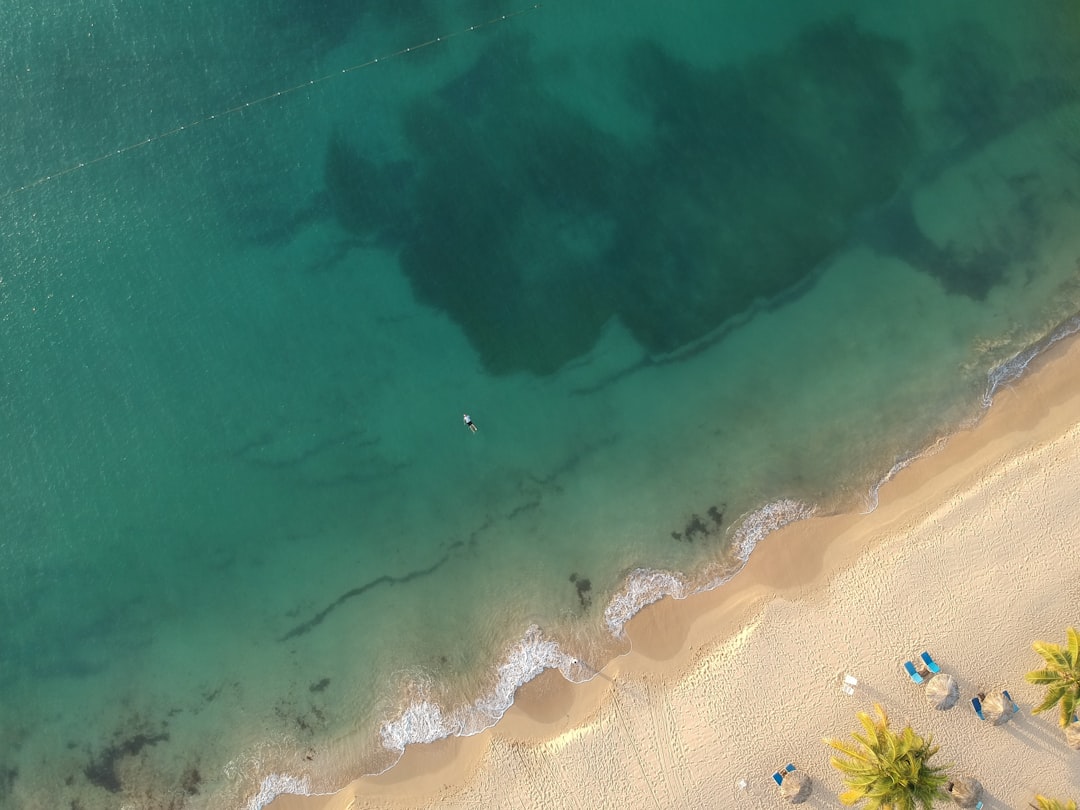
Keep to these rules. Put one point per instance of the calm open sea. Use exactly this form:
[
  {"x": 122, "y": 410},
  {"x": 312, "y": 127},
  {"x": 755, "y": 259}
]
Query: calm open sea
[{"x": 692, "y": 268}]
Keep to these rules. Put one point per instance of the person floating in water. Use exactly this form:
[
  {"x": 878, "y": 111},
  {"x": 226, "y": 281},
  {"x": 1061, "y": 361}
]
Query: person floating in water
[{"x": 469, "y": 423}]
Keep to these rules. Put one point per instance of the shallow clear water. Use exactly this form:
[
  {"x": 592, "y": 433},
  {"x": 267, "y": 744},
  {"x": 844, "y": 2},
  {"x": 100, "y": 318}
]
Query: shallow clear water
[{"x": 677, "y": 265}]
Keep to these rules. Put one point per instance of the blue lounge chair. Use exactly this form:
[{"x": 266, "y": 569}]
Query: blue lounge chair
[
  {"x": 1008, "y": 697},
  {"x": 977, "y": 704},
  {"x": 778, "y": 777},
  {"x": 930, "y": 663},
  {"x": 910, "y": 669},
  {"x": 978, "y": 805}
]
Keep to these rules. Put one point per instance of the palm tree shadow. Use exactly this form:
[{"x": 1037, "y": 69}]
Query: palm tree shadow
[
  {"x": 1034, "y": 734},
  {"x": 822, "y": 797},
  {"x": 875, "y": 695}
]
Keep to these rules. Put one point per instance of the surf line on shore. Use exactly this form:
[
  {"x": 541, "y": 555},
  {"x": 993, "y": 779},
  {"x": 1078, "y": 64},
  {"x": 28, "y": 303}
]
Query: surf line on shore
[{"x": 424, "y": 720}]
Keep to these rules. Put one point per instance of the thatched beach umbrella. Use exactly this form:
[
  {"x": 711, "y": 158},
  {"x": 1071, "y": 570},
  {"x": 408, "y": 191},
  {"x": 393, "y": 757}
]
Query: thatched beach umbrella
[
  {"x": 942, "y": 691},
  {"x": 796, "y": 787},
  {"x": 997, "y": 708},
  {"x": 966, "y": 791},
  {"x": 1072, "y": 735}
]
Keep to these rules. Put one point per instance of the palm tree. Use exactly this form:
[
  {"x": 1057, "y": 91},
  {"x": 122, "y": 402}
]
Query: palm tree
[
  {"x": 888, "y": 771},
  {"x": 1043, "y": 803},
  {"x": 1061, "y": 676}
]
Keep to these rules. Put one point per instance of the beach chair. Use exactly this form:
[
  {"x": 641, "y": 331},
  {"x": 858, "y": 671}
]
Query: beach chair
[
  {"x": 909, "y": 668},
  {"x": 847, "y": 686},
  {"x": 930, "y": 663},
  {"x": 1008, "y": 697},
  {"x": 977, "y": 705},
  {"x": 778, "y": 777}
]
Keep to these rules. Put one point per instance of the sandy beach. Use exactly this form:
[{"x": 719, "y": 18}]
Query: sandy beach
[{"x": 970, "y": 554}]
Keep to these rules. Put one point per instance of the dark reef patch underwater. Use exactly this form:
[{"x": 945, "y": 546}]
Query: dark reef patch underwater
[{"x": 532, "y": 226}]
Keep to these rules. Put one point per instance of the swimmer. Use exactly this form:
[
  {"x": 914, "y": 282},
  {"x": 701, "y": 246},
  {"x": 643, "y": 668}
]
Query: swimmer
[{"x": 469, "y": 423}]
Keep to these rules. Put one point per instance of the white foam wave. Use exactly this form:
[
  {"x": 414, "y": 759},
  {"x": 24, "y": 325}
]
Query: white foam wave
[
  {"x": 1013, "y": 368},
  {"x": 873, "y": 497},
  {"x": 756, "y": 525},
  {"x": 278, "y": 784},
  {"x": 421, "y": 721},
  {"x": 424, "y": 720},
  {"x": 642, "y": 587}
]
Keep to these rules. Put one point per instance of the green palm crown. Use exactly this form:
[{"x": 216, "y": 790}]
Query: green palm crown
[
  {"x": 886, "y": 770},
  {"x": 1061, "y": 677}
]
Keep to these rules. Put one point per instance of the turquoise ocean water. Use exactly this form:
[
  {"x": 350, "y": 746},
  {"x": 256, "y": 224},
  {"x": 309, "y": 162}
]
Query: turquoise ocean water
[{"x": 693, "y": 269}]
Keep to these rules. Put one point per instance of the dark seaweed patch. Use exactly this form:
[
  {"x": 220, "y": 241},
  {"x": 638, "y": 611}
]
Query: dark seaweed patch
[
  {"x": 8, "y": 776},
  {"x": 583, "y": 586},
  {"x": 190, "y": 781},
  {"x": 319, "y": 686},
  {"x": 352, "y": 593},
  {"x": 101, "y": 770},
  {"x": 306, "y": 722},
  {"x": 696, "y": 527}
]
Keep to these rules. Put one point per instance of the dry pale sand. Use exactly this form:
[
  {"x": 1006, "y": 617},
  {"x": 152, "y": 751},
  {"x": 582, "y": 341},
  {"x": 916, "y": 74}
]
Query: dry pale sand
[{"x": 972, "y": 554}]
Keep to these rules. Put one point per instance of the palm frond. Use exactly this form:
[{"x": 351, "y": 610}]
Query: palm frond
[
  {"x": 850, "y": 797},
  {"x": 1053, "y": 695},
  {"x": 1061, "y": 676},
  {"x": 1053, "y": 654},
  {"x": 1068, "y": 707},
  {"x": 1038, "y": 676},
  {"x": 887, "y": 770}
]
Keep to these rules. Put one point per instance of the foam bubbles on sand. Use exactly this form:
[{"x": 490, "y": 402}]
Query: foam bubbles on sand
[
  {"x": 764, "y": 521},
  {"x": 642, "y": 587},
  {"x": 424, "y": 720},
  {"x": 645, "y": 586},
  {"x": 278, "y": 784},
  {"x": 873, "y": 496},
  {"x": 1013, "y": 368}
]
